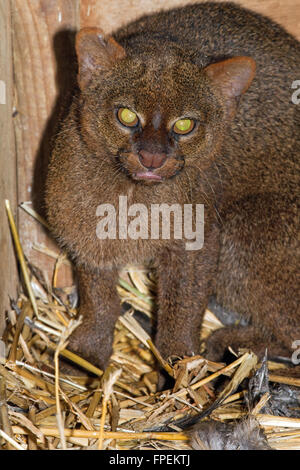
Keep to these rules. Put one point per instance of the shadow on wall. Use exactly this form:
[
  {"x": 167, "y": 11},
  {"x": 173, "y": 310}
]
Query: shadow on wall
[{"x": 66, "y": 83}]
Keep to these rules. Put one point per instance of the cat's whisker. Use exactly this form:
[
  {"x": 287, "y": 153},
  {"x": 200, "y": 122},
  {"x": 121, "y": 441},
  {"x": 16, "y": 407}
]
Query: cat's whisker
[
  {"x": 203, "y": 192},
  {"x": 205, "y": 195},
  {"x": 219, "y": 174}
]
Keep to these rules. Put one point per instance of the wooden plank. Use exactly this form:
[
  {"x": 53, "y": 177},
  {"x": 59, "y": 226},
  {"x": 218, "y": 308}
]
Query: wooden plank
[
  {"x": 285, "y": 12},
  {"x": 8, "y": 271},
  {"x": 43, "y": 65},
  {"x": 111, "y": 14}
]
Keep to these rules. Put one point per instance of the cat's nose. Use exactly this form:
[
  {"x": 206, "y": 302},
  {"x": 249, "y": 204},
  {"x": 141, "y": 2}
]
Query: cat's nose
[{"x": 151, "y": 160}]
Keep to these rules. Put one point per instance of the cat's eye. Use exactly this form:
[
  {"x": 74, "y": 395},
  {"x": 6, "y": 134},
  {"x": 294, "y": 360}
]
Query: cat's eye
[
  {"x": 184, "y": 126},
  {"x": 127, "y": 117}
]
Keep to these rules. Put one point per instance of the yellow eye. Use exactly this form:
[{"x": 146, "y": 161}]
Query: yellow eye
[
  {"x": 127, "y": 118},
  {"x": 184, "y": 126}
]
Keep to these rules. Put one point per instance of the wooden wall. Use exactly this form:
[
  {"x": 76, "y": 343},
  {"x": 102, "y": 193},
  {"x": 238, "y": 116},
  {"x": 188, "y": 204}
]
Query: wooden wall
[
  {"x": 36, "y": 63},
  {"x": 8, "y": 190}
]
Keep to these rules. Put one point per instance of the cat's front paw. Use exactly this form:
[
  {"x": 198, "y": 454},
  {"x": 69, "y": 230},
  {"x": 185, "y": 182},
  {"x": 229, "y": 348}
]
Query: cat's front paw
[
  {"x": 170, "y": 347},
  {"x": 92, "y": 345}
]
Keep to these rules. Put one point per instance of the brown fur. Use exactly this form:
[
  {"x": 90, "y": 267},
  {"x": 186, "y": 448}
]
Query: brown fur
[{"x": 241, "y": 162}]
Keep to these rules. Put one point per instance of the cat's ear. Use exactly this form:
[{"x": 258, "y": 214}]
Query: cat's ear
[
  {"x": 95, "y": 51},
  {"x": 232, "y": 77}
]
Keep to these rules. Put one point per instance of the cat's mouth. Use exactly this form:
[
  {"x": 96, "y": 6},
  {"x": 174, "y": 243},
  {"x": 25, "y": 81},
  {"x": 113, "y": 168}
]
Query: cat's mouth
[
  {"x": 131, "y": 165},
  {"x": 147, "y": 176}
]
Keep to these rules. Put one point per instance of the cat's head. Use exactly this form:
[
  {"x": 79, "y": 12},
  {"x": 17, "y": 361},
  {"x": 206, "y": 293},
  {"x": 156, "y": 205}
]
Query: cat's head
[{"x": 154, "y": 112}]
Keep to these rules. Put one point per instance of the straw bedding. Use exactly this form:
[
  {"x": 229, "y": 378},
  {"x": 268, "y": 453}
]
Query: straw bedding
[{"x": 42, "y": 408}]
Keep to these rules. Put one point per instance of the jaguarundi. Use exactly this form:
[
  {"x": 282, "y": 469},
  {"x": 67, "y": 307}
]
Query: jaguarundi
[{"x": 188, "y": 106}]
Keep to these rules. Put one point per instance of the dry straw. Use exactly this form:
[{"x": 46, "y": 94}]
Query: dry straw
[{"x": 42, "y": 408}]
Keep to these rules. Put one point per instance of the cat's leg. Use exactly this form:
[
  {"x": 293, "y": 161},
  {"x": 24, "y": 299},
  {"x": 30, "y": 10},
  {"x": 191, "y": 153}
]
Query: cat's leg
[
  {"x": 184, "y": 286},
  {"x": 100, "y": 308}
]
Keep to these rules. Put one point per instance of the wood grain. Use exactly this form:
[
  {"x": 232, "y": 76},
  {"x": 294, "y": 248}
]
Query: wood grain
[
  {"x": 111, "y": 14},
  {"x": 8, "y": 271},
  {"x": 43, "y": 64}
]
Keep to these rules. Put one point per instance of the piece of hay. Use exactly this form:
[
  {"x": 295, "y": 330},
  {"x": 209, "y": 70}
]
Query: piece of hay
[{"x": 27, "y": 366}]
